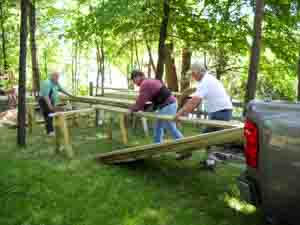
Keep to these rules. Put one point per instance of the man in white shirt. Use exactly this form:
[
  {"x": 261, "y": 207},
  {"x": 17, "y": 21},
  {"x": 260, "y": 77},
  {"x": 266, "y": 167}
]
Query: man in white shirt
[{"x": 212, "y": 91}]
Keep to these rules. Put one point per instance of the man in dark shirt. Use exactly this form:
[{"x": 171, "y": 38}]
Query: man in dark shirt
[{"x": 164, "y": 103}]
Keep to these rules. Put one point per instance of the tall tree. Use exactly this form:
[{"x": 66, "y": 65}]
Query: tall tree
[
  {"x": 186, "y": 64},
  {"x": 298, "y": 74},
  {"x": 255, "y": 52},
  {"x": 151, "y": 61},
  {"x": 171, "y": 75},
  {"x": 3, "y": 36},
  {"x": 162, "y": 40},
  {"x": 21, "y": 137},
  {"x": 33, "y": 47}
]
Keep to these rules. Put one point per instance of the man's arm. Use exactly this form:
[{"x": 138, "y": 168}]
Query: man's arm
[
  {"x": 189, "y": 106},
  {"x": 60, "y": 89},
  {"x": 142, "y": 99}
]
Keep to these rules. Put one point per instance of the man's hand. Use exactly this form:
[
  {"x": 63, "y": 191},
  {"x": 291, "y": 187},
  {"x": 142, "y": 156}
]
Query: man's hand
[
  {"x": 178, "y": 115},
  {"x": 58, "y": 109}
]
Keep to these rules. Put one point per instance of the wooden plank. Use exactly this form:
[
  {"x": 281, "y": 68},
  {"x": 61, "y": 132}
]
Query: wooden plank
[
  {"x": 212, "y": 123},
  {"x": 121, "y": 95},
  {"x": 124, "y": 90},
  {"x": 123, "y": 128},
  {"x": 72, "y": 112},
  {"x": 103, "y": 100},
  {"x": 193, "y": 143}
]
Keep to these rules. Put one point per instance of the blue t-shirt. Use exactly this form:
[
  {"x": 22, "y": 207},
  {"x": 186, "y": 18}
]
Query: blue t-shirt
[{"x": 46, "y": 87}]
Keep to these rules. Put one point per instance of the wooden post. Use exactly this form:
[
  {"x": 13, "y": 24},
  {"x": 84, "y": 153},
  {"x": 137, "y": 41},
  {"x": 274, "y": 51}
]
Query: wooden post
[
  {"x": 62, "y": 135},
  {"x": 91, "y": 88},
  {"x": 123, "y": 128},
  {"x": 145, "y": 126},
  {"x": 31, "y": 117},
  {"x": 109, "y": 126},
  {"x": 97, "y": 118}
]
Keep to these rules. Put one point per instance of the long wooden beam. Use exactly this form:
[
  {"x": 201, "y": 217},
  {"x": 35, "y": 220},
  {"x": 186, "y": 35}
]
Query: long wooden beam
[
  {"x": 193, "y": 143},
  {"x": 133, "y": 91},
  {"x": 102, "y": 100},
  {"x": 72, "y": 112},
  {"x": 213, "y": 123}
]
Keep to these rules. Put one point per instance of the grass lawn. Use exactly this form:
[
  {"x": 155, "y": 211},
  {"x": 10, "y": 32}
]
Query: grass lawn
[{"x": 38, "y": 187}]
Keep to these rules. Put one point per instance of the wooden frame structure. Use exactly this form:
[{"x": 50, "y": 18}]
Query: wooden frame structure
[
  {"x": 63, "y": 142},
  {"x": 232, "y": 132}
]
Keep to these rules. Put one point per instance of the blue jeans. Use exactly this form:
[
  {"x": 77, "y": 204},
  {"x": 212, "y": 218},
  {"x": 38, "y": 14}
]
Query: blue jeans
[
  {"x": 171, "y": 126},
  {"x": 224, "y": 115}
]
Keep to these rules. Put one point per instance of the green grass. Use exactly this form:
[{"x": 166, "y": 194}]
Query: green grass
[{"x": 38, "y": 187}]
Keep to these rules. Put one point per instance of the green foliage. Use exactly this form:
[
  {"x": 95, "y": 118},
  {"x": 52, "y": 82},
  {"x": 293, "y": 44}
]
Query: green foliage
[{"x": 221, "y": 29}]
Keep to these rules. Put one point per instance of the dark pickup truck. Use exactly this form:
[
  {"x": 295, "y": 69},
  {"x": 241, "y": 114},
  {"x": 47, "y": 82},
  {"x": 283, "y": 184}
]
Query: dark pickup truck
[{"x": 271, "y": 180}]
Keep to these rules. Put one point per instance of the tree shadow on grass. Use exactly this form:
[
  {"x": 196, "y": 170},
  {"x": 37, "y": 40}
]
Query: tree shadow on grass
[{"x": 201, "y": 194}]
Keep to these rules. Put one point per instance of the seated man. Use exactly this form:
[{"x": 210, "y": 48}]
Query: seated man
[
  {"x": 163, "y": 103},
  {"x": 49, "y": 98},
  {"x": 211, "y": 90}
]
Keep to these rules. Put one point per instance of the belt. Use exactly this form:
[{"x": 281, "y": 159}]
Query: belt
[{"x": 164, "y": 105}]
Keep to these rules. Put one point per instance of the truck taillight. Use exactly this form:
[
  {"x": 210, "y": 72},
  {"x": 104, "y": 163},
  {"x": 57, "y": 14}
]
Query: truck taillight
[{"x": 251, "y": 143}]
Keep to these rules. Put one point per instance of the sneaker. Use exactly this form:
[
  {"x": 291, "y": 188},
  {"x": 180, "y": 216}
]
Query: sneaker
[
  {"x": 208, "y": 164},
  {"x": 182, "y": 156},
  {"x": 51, "y": 134}
]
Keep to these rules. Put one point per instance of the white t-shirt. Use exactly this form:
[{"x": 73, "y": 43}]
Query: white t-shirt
[{"x": 212, "y": 91}]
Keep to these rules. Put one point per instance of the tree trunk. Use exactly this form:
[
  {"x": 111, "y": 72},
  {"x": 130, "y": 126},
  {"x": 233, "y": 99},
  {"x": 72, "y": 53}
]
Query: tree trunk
[
  {"x": 205, "y": 59},
  {"x": 34, "y": 60},
  {"x": 151, "y": 61},
  {"x": 137, "y": 53},
  {"x": 162, "y": 40},
  {"x": 21, "y": 138},
  {"x": 98, "y": 57},
  {"x": 222, "y": 61},
  {"x": 171, "y": 75},
  {"x": 45, "y": 62},
  {"x": 78, "y": 64},
  {"x": 298, "y": 70},
  {"x": 186, "y": 65},
  {"x": 102, "y": 67},
  {"x": 255, "y": 52},
  {"x": 74, "y": 66},
  {"x": 3, "y": 36}
]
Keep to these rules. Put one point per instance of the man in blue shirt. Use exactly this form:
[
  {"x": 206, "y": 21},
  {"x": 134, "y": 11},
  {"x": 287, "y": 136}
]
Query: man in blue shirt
[{"x": 49, "y": 98}]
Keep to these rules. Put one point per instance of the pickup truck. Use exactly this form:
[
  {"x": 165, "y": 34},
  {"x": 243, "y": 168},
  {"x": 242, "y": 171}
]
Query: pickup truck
[{"x": 271, "y": 180}]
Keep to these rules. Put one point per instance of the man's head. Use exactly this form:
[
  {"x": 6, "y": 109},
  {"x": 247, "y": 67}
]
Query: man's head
[
  {"x": 137, "y": 77},
  {"x": 54, "y": 76},
  {"x": 197, "y": 71}
]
